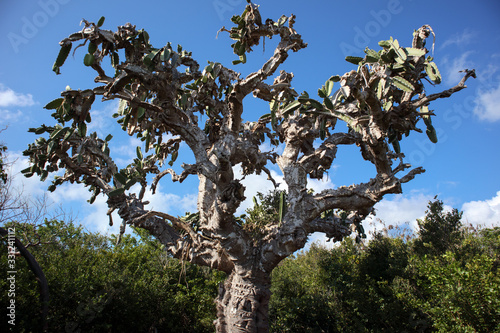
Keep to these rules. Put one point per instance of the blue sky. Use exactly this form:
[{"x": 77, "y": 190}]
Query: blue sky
[{"x": 462, "y": 168}]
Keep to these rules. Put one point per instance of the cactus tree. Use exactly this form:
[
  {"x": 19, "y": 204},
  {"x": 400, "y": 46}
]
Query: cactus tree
[{"x": 162, "y": 90}]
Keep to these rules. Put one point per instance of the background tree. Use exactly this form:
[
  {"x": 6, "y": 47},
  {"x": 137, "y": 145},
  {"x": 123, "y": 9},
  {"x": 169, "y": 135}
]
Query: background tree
[
  {"x": 391, "y": 285},
  {"x": 98, "y": 285},
  {"x": 439, "y": 229},
  {"x": 163, "y": 91}
]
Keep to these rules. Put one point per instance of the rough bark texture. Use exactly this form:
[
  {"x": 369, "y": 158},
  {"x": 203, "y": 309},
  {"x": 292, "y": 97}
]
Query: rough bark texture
[
  {"x": 380, "y": 102},
  {"x": 242, "y": 305}
]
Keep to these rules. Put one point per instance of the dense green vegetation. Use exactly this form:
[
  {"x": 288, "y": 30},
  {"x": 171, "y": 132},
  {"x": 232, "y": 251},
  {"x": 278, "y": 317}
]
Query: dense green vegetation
[
  {"x": 445, "y": 279},
  {"x": 98, "y": 286}
]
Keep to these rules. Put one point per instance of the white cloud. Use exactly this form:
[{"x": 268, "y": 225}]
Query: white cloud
[
  {"x": 488, "y": 104},
  {"x": 73, "y": 197},
  {"x": 483, "y": 213},
  {"x": 320, "y": 239},
  {"x": 9, "y": 97},
  {"x": 96, "y": 218},
  {"x": 257, "y": 183},
  {"x": 10, "y": 116},
  {"x": 486, "y": 73},
  {"x": 267, "y": 147},
  {"x": 92, "y": 217},
  {"x": 459, "y": 39},
  {"x": 400, "y": 213},
  {"x": 260, "y": 183},
  {"x": 102, "y": 120},
  {"x": 403, "y": 208},
  {"x": 70, "y": 192},
  {"x": 125, "y": 154},
  {"x": 452, "y": 68},
  {"x": 319, "y": 185},
  {"x": 69, "y": 197},
  {"x": 29, "y": 186},
  {"x": 169, "y": 203}
]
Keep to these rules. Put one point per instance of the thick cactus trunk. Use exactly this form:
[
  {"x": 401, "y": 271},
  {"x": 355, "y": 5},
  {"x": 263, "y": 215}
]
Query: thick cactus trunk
[{"x": 242, "y": 305}]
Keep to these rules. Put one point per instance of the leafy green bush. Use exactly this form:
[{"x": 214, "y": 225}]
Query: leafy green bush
[
  {"x": 446, "y": 280},
  {"x": 439, "y": 230},
  {"x": 300, "y": 300},
  {"x": 98, "y": 286},
  {"x": 460, "y": 290}
]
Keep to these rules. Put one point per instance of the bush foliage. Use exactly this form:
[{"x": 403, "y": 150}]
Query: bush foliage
[
  {"x": 445, "y": 279},
  {"x": 97, "y": 285}
]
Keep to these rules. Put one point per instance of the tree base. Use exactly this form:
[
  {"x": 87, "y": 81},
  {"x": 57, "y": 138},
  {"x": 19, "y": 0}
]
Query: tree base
[{"x": 242, "y": 305}]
